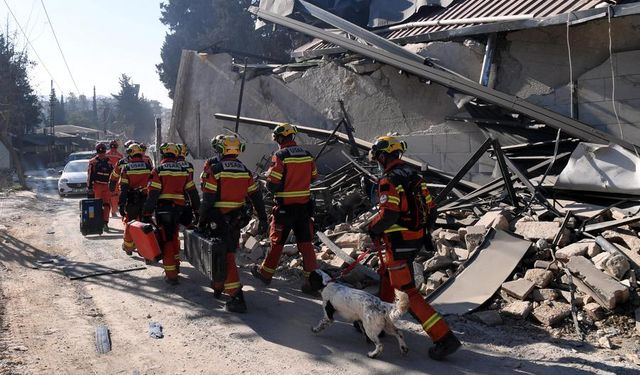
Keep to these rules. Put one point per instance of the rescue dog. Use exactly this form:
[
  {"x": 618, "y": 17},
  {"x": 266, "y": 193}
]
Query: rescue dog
[{"x": 366, "y": 310}]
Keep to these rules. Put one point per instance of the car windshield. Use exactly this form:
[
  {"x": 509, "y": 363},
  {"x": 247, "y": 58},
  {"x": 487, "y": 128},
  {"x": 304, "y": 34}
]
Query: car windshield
[
  {"x": 77, "y": 166},
  {"x": 80, "y": 155}
]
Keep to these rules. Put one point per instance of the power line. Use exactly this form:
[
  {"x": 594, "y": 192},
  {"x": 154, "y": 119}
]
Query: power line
[
  {"x": 31, "y": 45},
  {"x": 59, "y": 48}
]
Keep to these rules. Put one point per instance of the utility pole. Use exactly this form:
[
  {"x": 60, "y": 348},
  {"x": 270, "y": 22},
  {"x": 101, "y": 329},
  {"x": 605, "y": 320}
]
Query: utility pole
[{"x": 52, "y": 105}]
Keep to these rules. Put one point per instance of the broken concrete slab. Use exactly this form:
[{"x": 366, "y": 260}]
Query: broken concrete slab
[
  {"x": 437, "y": 263},
  {"x": 472, "y": 287},
  {"x": 606, "y": 290},
  {"x": 489, "y": 317},
  {"x": 600, "y": 259},
  {"x": 535, "y": 230},
  {"x": 518, "y": 309},
  {"x": 449, "y": 235},
  {"x": 251, "y": 243},
  {"x": 617, "y": 266},
  {"x": 519, "y": 289},
  {"x": 540, "y": 295},
  {"x": 576, "y": 249},
  {"x": 495, "y": 218},
  {"x": 541, "y": 278},
  {"x": 594, "y": 311},
  {"x": 552, "y": 313},
  {"x": 463, "y": 254},
  {"x": 353, "y": 240}
]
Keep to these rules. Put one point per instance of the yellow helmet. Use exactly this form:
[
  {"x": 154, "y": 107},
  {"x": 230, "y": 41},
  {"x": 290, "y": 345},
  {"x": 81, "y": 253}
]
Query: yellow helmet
[
  {"x": 227, "y": 145},
  {"x": 386, "y": 144},
  {"x": 134, "y": 149},
  {"x": 184, "y": 150},
  {"x": 284, "y": 129},
  {"x": 170, "y": 149}
]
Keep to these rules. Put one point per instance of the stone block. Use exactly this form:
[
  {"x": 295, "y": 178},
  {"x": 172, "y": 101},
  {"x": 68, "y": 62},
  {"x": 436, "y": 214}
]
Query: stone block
[
  {"x": 535, "y": 230},
  {"x": 628, "y": 238},
  {"x": 518, "y": 309},
  {"x": 290, "y": 249},
  {"x": 575, "y": 249},
  {"x": 463, "y": 254},
  {"x": 600, "y": 259},
  {"x": 616, "y": 266},
  {"x": 519, "y": 289},
  {"x": 540, "y": 295},
  {"x": 489, "y": 317},
  {"x": 449, "y": 235},
  {"x": 541, "y": 278},
  {"x": 552, "y": 313},
  {"x": 609, "y": 291},
  {"x": 352, "y": 240},
  {"x": 494, "y": 218},
  {"x": 251, "y": 243},
  {"x": 594, "y": 311},
  {"x": 437, "y": 263}
]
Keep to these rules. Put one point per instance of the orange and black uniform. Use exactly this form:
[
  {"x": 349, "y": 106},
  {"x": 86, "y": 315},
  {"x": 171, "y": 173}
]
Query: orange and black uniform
[
  {"x": 187, "y": 213},
  {"x": 114, "y": 157},
  {"x": 226, "y": 185},
  {"x": 98, "y": 173},
  {"x": 168, "y": 185},
  {"x": 289, "y": 179},
  {"x": 133, "y": 192},
  {"x": 403, "y": 244},
  {"x": 114, "y": 179}
]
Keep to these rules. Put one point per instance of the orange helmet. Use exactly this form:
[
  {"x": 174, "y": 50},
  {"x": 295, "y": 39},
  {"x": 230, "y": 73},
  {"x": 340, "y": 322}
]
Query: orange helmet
[
  {"x": 101, "y": 148},
  {"x": 113, "y": 144}
]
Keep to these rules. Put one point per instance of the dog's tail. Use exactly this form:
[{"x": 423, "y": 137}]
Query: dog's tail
[{"x": 400, "y": 307}]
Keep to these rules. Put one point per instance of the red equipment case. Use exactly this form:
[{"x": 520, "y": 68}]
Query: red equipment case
[{"x": 145, "y": 237}]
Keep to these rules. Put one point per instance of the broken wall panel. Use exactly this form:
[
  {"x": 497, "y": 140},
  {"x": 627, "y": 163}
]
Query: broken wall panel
[{"x": 501, "y": 252}]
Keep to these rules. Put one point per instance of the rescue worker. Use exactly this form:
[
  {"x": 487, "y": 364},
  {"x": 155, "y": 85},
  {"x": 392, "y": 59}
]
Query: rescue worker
[
  {"x": 133, "y": 191},
  {"x": 118, "y": 168},
  {"x": 186, "y": 217},
  {"x": 226, "y": 185},
  {"x": 289, "y": 179},
  {"x": 114, "y": 156},
  {"x": 168, "y": 185},
  {"x": 98, "y": 173},
  {"x": 403, "y": 196},
  {"x": 146, "y": 157}
]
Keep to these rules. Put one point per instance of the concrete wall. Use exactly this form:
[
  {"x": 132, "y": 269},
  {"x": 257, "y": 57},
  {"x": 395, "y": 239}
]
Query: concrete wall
[{"x": 534, "y": 64}]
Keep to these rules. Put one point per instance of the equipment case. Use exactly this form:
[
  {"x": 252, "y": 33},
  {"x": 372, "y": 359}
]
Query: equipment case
[
  {"x": 91, "y": 220},
  {"x": 206, "y": 254},
  {"x": 145, "y": 236}
]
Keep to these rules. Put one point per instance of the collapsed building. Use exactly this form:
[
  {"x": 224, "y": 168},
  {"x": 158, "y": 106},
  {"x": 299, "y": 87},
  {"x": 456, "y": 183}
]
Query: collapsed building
[{"x": 524, "y": 115}]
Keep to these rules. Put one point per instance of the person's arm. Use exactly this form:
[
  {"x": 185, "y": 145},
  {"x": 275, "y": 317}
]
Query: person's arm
[
  {"x": 209, "y": 195},
  {"x": 275, "y": 174},
  {"x": 389, "y": 204},
  {"x": 154, "y": 188}
]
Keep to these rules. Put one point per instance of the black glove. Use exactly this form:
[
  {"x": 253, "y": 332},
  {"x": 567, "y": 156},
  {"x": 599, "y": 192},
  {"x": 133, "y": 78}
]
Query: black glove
[
  {"x": 263, "y": 227},
  {"x": 91, "y": 194},
  {"x": 122, "y": 211}
]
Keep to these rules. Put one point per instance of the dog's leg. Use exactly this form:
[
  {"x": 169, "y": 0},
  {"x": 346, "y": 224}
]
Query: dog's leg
[
  {"x": 391, "y": 329},
  {"x": 373, "y": 328},
  {"x": 329, "y": 310}
]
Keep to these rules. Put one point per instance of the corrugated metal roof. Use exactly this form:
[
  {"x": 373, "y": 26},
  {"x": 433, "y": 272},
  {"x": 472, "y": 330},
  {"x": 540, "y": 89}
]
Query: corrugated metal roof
[
  {"x": 539, "y": 9},
  {"x": 491, "y": 8}
]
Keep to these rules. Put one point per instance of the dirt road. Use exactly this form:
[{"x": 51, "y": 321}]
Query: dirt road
[{"x": 48, "y": 321}]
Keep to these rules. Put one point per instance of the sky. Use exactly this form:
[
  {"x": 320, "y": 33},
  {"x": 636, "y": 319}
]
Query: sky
[{"x": 101, "y": 39}]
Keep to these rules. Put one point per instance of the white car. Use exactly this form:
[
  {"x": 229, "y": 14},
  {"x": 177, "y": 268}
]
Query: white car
[{"x": 73, "y": 179}]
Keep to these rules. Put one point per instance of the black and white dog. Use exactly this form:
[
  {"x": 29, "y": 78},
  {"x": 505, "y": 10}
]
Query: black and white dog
[{"x": 356, "y": 305}]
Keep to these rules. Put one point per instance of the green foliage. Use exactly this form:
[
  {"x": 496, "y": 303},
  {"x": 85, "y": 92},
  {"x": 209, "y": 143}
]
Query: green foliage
[
  {"x": 198, "y": 24},
  {"x": 19, "y": 109},
  {"x": 135, "y": 113}
]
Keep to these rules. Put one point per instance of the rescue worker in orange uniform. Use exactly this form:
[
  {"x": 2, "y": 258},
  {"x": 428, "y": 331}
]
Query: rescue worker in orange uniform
[
  {"x": 114, "y": 156},
  {"x": 114, "y": 179},
  {"x": 146, "y": 157},
  {"x": 186, "y": 217},
  {"x": 226, "y": 185},
  {"x": 402, "y": 192},
  {"x": 133, "y": 191},
  {"x": 168, "y": 185},
  {"x": 289, "y": 179},
  {"x": 98, "y": 173}
]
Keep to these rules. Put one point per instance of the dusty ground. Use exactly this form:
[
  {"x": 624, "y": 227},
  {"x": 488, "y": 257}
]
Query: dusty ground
[{"x": 47, "y": 322}]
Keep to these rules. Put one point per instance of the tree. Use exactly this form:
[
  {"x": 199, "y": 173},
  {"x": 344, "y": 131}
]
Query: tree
[
  {"x": 60, "y": 114},
  {"x": 135, "y": 115},
  {"x": 19, "y": 109},
  {"x": 198, "y": 24}
]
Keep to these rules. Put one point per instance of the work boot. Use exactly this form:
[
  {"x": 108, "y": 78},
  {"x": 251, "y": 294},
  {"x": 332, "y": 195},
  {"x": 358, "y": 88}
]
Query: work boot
[
  {"x": 236, "y": 304},
  {"x": 171, "y": 281},
  {"x": 217, "y": 291},
  {"x": 447, "y": 345},
  {"x": 127, "y": 250},
  {"x": 105, "y": 227},
  {"x": 255, "y": 271}
]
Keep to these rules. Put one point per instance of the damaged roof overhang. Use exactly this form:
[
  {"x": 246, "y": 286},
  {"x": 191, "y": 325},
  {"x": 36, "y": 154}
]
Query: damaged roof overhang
[
  {"x": 386, "y": 52},
  {"x": 422, "y": 35}
]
